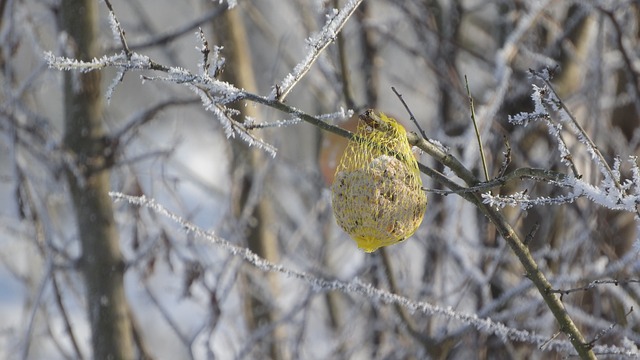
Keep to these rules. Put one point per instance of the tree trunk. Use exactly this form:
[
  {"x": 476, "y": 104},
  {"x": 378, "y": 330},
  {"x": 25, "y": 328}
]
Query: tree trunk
[
  {"x": 246, "y": 162},
  {"x": 101, "y": 262}
]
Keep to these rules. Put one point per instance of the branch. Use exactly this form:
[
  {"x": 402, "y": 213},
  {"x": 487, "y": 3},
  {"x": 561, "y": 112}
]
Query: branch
[
  {"x": 182, "y": 30},
  {"x": 511, "y": 237},
  {"x": 546, "y": 175},
  {"x": 358, "y": 287},
  {"x": 35, "y": 303},
  {"x": 317, "y": 44},
  {"x": 595, "y": 283},
  {"x": 65, "y": 317},
  {"x": 117, "y": 30}
]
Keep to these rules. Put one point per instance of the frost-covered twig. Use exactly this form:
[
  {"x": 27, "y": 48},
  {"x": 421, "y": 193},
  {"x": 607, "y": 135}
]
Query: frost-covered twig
[
  {"x": 316, "y": 44},
  {"x": 353, "y": 287},
  {"x": 250, "y": 123},
  {"x": 524, "y": 201},
  {"x": 297, "y": 113},
  {"x": 607, "y": 330},
  {"x": 612, "y": 192},
  {"x": 117, "y": 30},
  {"x": 214, "y": 94},
  {"x": 551, "y": 99},
  {"x": 118, "y": 34},
  {"x": 134, "y": 62},
  {"x": 540, "y": 112}
]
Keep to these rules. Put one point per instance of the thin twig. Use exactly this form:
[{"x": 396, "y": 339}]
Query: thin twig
[
  {"x": 205, "y": 52},
  {"x": 607, "y": 330},
  {"x": 402, "y": 312},
  {"x": 532, "y": 233},
  {"x": 327, "y": 36},
  {"x": 368, "y": 51},
  {"x": 411, "y": 117},
  {"x": 593, "y": 284},
  {"x": 182, "y": 30},
  {"x": 629, "y": 66},
  {"x": 520, "y": 173},
  {"x": 116, "y": 23},
  {"x": 65, "y": 317},
  {"x": 344, "y": 68},
  {"x": 275, "y": 104},
  {"x": 144, "y": 116},
  {"x": 35, "y": 306},
  {"x": 475, "y": 128},
  {"x": 507, "y": 158},
  {"x": 167, "y": 317},
  {"x": 275, "y": 124},
  {"x": 541, "y": 347}
]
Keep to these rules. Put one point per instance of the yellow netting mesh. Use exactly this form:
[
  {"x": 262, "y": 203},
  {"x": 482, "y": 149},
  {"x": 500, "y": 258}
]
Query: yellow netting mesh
[{"x": 377, "y": 192}]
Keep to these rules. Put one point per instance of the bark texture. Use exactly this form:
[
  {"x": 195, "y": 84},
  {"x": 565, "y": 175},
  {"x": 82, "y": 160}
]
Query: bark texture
[{"x": 88, "y": 177}]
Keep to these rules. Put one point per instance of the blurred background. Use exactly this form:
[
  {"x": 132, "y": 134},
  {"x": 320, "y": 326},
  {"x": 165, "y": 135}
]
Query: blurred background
[{"x": 174, "y": 295}]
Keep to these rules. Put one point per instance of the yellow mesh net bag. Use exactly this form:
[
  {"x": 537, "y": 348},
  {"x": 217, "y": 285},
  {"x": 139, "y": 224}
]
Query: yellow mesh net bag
[{"x": 377, "y": 194}]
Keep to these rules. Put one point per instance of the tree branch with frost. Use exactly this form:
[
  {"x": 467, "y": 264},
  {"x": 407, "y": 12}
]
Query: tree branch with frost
[
  {"x": 117, "y": 30},
  {"x": 214, "y": 94},
  {"x": 357, "y": 287},
  {"x": 553, "y": 101},
  {"x": 517, "y": 245},
  {"x": 612, "y": 192},
  {"x": 541, "y": 113},
  {"x": 315, "y": 46},
  {"x": 523, "y": 200}
]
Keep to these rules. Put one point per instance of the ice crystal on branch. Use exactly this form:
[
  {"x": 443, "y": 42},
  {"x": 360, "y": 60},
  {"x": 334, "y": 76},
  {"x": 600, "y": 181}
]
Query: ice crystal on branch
[
  {"x": 115, "y": 26},
  {"x": 523, "y": 200},
  {"x": 136, "y": 62},
  {"x": 341, "y": 115}
]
